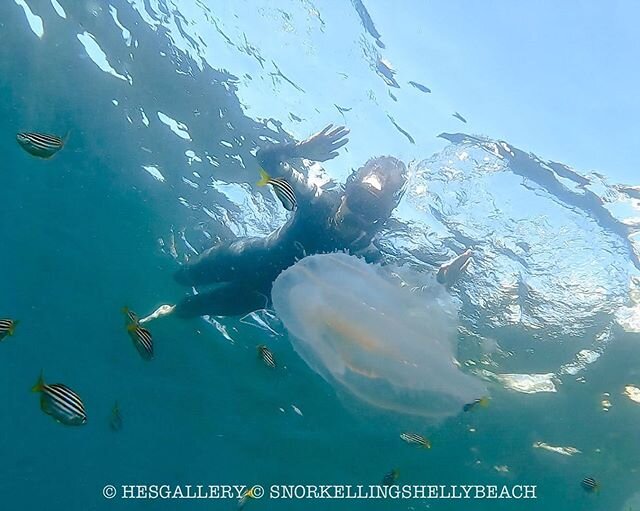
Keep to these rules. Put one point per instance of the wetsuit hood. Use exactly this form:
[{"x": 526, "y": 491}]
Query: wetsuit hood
[{"x": 375, "y": 189}]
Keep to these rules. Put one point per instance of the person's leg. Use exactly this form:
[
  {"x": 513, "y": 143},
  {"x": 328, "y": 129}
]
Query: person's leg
[
  {"x": 242, "y": 259},
  {"x": 213, "y": 265},
  {"x": 225, "y": 300}
]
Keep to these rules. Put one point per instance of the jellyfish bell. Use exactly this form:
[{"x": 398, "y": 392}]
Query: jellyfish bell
[{"x": 385, "y": 338}]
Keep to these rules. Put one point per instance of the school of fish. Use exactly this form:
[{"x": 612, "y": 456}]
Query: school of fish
[{"x": 66, "y": 406}]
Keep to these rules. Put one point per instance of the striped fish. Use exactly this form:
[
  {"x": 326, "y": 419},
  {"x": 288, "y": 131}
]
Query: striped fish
[
  {"x": 141, "y": 337},
  {"x": 62, "y": 403},
  {"x": 282, "y": 189},
  {"x": 590, "y": 484},
  {"x": 142, "y": 340},
  {"x": 266, "y": 356},
  {"x": 415, "y": 438},
  {"x": 39, "y": 144},
  {"x": 132, "y": 317},
  {"x": 7, "y": 327}
]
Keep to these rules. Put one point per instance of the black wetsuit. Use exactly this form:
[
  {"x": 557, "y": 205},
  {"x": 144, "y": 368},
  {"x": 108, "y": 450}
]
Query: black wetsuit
[{"x": 244, "y": 270}]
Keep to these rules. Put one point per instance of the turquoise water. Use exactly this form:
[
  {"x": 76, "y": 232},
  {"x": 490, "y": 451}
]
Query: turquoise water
[{"x": 107, "y": 221}]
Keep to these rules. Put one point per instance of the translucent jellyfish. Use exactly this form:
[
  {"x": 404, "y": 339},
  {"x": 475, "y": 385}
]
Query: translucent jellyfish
[{"x": 386, "y": 338}]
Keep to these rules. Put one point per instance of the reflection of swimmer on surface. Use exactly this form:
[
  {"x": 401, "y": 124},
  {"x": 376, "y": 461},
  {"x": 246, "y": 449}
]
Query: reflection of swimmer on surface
[
  {"x": 451, "y": 271},
  {"x": 242, "y": 271}
]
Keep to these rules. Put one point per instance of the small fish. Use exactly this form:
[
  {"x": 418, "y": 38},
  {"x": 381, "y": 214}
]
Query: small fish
[
  {"x": 415, "y": 438},
  {"x": 39, "y": 144},
  {"x": 242, "y": 501},
  {"x": 266, "y": 356},
  {"x": 390, "y": 478},
  {"x": 420, "y": 87},
  {"x": 342, "y": 109},
  {"x": 590, "y": 484},
  {"x": 115, "y": 422},
  {"x": 141, "y": 337},
  {"x": 483, "y": 401},
  {"x": 458, "y": 116},
  {"x": 62, "y": 403},
  {"x": 132, "y": 317},
  {"x": 283, "y": 190},
  {"x": 7, "y": 327},
  {"x": 142, "y": 340},
  {"x": 402, "y": 130}
]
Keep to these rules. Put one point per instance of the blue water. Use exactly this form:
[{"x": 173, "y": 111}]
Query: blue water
[{"x": 550, "y": 291}]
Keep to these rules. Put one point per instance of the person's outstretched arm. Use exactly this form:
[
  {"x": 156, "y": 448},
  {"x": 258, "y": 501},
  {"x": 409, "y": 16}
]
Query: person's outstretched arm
[
  {"x": 244, "y": 259},
  {"x": 321, "y": 146}
]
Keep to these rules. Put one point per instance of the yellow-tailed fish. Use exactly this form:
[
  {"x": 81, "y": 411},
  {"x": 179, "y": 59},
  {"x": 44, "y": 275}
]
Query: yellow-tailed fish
[
  {"x": 131, "y": 317},
  {"x": 242, "y": 501},
  {"x": 62, "y": 403},
  {"x": 282, "y": 189},
  {"x": 41, "y": 144},
  {"x": 483, "y": 402},
  {"x": 7, "y": 327},
  {"x": 141, "y": 337},
  {"x": 142, "y": 340}
]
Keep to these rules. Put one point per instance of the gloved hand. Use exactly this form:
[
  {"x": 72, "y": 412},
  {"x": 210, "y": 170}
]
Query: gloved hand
[
  {"x": 450, "y": 271},
  {"x": 323, "y": 145}
]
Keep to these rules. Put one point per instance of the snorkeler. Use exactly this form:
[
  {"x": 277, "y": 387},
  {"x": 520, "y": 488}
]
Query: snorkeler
[{"x": 241, "y": 272}]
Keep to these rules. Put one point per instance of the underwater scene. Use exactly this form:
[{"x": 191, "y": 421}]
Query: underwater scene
[{"x": 305, "y": 254}]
